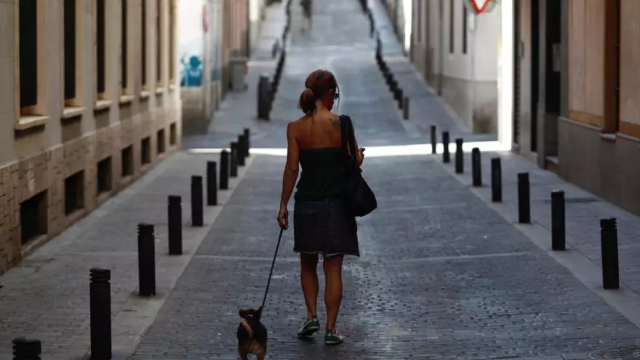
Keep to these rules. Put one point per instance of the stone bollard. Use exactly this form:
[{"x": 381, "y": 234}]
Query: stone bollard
[
  {"x": 434, "y": 139},
  {"x": 212, "y": 183},
  {"x": 146, "y": 260},
  {"x": 247, "y": 141},
  {"x": 100, "y": 313},
  {"x": 446, "y": 157},
  {"x": 476, "y": 167},
  {"x": 405, "y": 108},
  {"x": 197, "y": 206},
  {"x": 175, "y": 225},
  {"x": 558, "y": 231},
  {"x": 496, "y": 180},
  {"x": 240, "y": 155},
  {"x": 224, "y": 170},
  {"x": 609, "y": 245},
  {"x": 264, "y": 97},
  {"x": 399, "y": 96},
  {"x": 459, "y": 156},
  {"x": 26, "y": 348},
  {"x": 233, "y": 171},
  {"x": 524, "y": 201}
]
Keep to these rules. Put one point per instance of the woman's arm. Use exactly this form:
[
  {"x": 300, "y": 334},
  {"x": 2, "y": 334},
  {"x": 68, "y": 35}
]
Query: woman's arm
[
  {"x": 359, "y": 150},
  {"x": 291, "y": 169}
]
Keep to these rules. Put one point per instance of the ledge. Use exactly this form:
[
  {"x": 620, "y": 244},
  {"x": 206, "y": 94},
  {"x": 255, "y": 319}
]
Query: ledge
[
  {"x": 126, "y": 99},
  {"x": 172, "y": 87},
  {"x": 71, "y": 112},
  {"x": 610, "y": 137},
  {"x": 102, "y": 105},
  {"x": 144, "y": 95},
  {"x": 160, "y": 91},
  {"x": 30, "y": 121}
]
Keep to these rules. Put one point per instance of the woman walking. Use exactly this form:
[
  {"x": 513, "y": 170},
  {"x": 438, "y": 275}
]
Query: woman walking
[{"x": 323, "y": 225}]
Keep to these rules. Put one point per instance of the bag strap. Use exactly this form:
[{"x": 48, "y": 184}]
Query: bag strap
[{"x": 348, "y": 138}]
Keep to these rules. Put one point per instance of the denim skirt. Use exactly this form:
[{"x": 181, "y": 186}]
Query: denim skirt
[{"x": 324, "y": 227}]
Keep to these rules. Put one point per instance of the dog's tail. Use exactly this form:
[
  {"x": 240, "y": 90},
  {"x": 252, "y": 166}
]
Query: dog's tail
[{"x": 247, "y": 327}]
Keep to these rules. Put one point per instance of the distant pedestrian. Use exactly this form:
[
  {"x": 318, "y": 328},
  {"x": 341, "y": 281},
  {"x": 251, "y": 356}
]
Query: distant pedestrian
[
  {"x": 307, "y": 6},
  {"x": 322, "y": 223}
]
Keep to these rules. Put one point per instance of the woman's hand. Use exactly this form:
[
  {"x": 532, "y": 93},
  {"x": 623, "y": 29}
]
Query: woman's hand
[{"x": 283, "y": 218}]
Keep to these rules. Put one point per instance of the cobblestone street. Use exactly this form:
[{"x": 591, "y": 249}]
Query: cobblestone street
[{"x": 443, "y": 274}]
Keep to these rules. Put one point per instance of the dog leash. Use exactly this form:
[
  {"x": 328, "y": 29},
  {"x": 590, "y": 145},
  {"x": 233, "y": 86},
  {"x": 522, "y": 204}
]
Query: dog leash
[{"x": 273, "y": 263}]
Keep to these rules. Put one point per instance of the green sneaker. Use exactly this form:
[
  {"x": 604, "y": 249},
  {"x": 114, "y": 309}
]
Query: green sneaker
[
  {"x": 333, "y": 338},
  {"x": 309, "y": 327}
]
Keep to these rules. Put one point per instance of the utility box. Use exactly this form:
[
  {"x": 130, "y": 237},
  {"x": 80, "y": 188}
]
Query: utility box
[{"x": 238, "y": 67}]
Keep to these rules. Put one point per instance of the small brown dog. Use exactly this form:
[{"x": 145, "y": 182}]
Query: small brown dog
[{"x": 252, "y": 334}]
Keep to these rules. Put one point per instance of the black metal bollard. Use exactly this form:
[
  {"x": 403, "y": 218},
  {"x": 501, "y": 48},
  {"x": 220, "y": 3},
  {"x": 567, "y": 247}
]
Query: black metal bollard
[
  {"x": 609, "y": 244},
  {"x": 197, "y": 207},
  {"x": 224, "y": 169},
  {"x": 399, "y": 97},
  {"x": 446, "y": 157},
  {"x": 26, "y": 348},
  {"x": 405, "y": 108},
  {"x": 434, "y": 139},
  {"x": 233, "y": 171},
  {"x": 240, "y": 155},
  {"x": 247, "y": 141},
  {"x": 459, "y": 156},
  {"x": 476, "y": 167},
  {"x": 557, "y": 220},
  {"x": 264, "y": 97},
  {"x": 175, "y": 225},
  {"x": 99, "y": 313},
  {"x": 496, "y": 180},
  {"x": 393, "y": 86},
  {"x": 146, "y": 260},
  {"x": 212, "y": 183},
  {"x": 524, "y": 205}
]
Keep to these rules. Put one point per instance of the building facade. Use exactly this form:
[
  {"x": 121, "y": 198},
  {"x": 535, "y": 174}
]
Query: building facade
[
  {"x": 457, "y": 54},
  {"x": 89, "y": 102}
]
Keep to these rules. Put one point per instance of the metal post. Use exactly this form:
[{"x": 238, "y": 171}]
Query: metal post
[
  {"x": 212, "y": 183},
  {"x": 99, "y": 313},
  {"x": 459, "y": 156},
  {"x": 224, "y": 169},
  {"x": 264, "y": 97},
  {"x": 557, "y": 220},
  {"x": 405, "y": 108},
  {"x": 240, "y": 156},
  {"x": 175, "y": 225},
  {"x": 446, "y": 157},
  {"x": 609, "y": 244},
  {"x": 399, "y": 97},
  {"x": 476, "y": 167},
  {"x": 247, "y": 141},
  {"x": 234, "y": 160},
  {"x": 524, "y": 205},
  {"x": 197, "y": 206},
  {"x": 146, "y": 260},
  {"x": 496, "y": 180},
  {"x": 434, "y": 139},
  {"x": 26, "y": 348}
]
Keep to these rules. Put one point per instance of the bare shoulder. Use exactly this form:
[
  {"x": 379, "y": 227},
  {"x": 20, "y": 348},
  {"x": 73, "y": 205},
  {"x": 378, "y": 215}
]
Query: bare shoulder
[
  {"x": 334, "y": 119},
  {"x": 293, "y": 125}
]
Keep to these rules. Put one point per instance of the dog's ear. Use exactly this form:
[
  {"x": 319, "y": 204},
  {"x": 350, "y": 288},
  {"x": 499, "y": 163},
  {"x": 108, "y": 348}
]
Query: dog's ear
[{"x": 243, "y": 313}]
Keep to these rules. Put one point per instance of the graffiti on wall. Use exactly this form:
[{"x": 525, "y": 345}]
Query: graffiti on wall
[{"x": 191, "y": 42}]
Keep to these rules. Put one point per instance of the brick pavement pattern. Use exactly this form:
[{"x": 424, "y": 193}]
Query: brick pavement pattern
[{"x": 441, "y": 275}]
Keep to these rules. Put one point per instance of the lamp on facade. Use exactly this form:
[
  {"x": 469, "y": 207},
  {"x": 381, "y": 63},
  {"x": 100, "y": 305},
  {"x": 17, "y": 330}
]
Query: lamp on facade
[{"x": 481, "y": 6}]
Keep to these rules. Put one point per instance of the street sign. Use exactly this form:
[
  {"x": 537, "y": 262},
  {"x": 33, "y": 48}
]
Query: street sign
[{"x": 481, "y": 6}]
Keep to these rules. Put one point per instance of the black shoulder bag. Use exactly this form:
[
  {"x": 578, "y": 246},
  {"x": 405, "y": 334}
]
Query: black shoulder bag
[{"x": 358, "y": 195}]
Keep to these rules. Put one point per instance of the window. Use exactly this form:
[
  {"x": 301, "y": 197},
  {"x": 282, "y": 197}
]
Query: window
[
  {"x": 28, "y": 52},
  {"x": 104, "y": 176},
  {"x": 172, "y": 16},
  {"x": 465, "y": 15},
  {"x": 451, "y": 26},
  {"x": 74, "y": 192},
  {"x": 127, "y": 161},
  {"x": 173, "y": 134},
  {"x": 146, "y": 150},
  {"x": 69, "y": 49},
  {"x": 123, "y": 53},
  {"x": 33, "y": 217},
  {"x": 159, "y": 42},
  {"x": 143, "y": 48},
  {"x": 100, "y": 43},
  {"x": 161, "y": 141}
]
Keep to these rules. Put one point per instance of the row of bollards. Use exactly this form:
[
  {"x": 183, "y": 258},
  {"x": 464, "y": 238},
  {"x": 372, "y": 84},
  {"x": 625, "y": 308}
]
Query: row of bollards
[
  {"x": 608, "y": 227},
  {"x": 25, "y": 348},
  {"x": 392, "y": 83},
  {"x": 267, "y": 88}
]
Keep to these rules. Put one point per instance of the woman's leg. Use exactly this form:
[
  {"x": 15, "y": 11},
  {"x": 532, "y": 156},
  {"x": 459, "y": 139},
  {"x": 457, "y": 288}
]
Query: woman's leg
[
  {"x": 333, "y": 291},
  {"x": 309, "y": 281}
]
